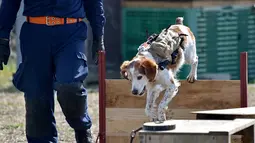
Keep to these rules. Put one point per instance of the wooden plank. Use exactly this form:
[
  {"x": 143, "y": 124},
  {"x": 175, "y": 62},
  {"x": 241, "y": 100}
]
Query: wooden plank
[
  {"x": 139, "y": 113},
  {"x": 121, "y": 121},
  {"x": 126, "y": 139},
  {"x": 234, "y": 126},
  {"x": 205, "y": 126},
  {"x": 233, "y": 111},
  {"x": 192, "y": 128},
  {"x": 151, "y": 138},
  {"x": 248, "y": 135},
  {"x": 120, "y": 124},
  {"x": 121, "y": 139},
  {"x": 203, "y": 94}
]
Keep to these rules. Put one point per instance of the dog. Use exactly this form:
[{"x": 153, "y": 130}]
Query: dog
[{"x": 144, "y": 73}]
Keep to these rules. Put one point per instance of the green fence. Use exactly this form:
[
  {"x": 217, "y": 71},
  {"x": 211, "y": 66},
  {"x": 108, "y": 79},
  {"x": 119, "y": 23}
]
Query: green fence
[{"x": 221, "y": 33}]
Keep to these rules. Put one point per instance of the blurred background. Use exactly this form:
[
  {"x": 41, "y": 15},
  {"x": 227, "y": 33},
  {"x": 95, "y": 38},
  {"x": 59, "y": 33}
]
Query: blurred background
[{"x": 223, "y": 29}]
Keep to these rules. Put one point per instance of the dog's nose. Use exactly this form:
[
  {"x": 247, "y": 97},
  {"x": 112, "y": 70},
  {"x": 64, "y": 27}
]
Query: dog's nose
[{"x": 135, "y": 91}]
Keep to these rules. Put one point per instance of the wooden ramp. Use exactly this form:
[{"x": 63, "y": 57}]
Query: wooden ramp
[{"x": 125, "y": 112}]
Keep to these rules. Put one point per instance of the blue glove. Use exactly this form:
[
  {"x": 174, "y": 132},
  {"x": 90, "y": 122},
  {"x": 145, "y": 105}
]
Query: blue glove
[
  {"x": 98, "y": 45},
  {"x": 4, "y": 52}
]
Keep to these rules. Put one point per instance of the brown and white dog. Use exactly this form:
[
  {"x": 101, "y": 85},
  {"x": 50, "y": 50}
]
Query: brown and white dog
[{"x": 144, "y": 74}]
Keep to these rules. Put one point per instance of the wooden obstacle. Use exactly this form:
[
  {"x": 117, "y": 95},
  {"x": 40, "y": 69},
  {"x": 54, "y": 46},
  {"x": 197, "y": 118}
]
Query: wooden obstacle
[
  {"x": 125, "y": 112},
  {"x": 200, "y": 131},
  {"x": 121, "y": 112},
  {"x": 229, "y": 114}
]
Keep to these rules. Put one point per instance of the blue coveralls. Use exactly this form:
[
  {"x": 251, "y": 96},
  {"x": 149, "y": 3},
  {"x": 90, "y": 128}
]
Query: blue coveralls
[{"x": 53, "y": 58}]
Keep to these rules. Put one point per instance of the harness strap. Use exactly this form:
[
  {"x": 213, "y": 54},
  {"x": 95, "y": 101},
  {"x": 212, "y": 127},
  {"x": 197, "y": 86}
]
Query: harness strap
[{"x": 181, "y": 43}]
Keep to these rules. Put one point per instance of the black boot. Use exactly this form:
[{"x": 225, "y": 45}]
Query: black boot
[{"x": 83, "y": 136}]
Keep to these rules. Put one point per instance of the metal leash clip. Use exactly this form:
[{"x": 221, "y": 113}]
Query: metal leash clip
[{"x": 133, "y": 133}]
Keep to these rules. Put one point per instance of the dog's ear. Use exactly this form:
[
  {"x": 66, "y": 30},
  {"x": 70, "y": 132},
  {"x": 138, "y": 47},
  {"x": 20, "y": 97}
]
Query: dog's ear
[
  {"x": 123, "y": 69},
  {"x": 148, "y": 68}
]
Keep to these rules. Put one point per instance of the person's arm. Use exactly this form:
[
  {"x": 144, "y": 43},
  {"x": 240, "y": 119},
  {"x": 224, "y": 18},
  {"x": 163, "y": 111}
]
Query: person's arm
[
  {"x": 95, "y": 15},
  {"x": 8, "y": 14}
]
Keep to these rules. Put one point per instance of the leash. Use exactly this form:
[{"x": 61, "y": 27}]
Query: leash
[
  {"x": 97, "y": 138},
  {"x": 133, "y": 133}
]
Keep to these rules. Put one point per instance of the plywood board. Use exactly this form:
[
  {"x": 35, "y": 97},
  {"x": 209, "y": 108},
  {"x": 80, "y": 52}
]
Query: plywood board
[
  {"x": 204, "y": 126},
  {"x": 121, "y": 121},
  {"x": 121, "y": 139},
  {"x": 233, "y": 111},
  {"x": 148, "y": 138},
  {"x": 139, "y": 113},
  {"x": 126, "y": 139},
  {"x": 204, "y": 94}
]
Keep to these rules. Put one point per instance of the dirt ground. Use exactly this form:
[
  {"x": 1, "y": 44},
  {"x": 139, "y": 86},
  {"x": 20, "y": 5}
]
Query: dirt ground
[{"x": 12, "y": 116}]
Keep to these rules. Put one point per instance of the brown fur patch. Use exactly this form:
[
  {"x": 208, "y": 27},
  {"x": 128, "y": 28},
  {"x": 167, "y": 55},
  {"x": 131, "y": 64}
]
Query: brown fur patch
[
  {"x": 191, "y": 34},
  {"x": 150, "y": 69},
  {"x": 123, "y": 69},
  {"x": 146, "y": 67}
]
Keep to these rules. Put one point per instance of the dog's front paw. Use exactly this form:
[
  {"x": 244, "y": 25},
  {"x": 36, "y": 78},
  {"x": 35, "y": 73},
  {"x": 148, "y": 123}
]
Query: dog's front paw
[
  {"x": 153, "y": 119},
  {"x": 191, "y": 78},
  {"x": 161, "y": 116}
]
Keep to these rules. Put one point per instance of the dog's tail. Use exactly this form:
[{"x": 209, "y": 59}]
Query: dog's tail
[{"x": 179, "y": 20}]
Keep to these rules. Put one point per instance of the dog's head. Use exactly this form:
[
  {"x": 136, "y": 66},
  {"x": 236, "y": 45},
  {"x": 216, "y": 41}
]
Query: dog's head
[{"x": 139, "y": 72}]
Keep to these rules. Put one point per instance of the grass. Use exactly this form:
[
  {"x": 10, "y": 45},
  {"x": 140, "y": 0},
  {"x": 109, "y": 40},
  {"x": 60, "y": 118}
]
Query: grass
[{"x": 6, "y": 75}]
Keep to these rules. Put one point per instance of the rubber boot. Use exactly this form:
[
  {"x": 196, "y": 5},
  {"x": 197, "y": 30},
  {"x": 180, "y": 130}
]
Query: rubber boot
[{"x": 82, "y": 136}]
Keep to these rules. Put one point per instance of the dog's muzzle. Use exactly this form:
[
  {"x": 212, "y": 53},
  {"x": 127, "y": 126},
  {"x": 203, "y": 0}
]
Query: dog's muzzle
[{"x": 136, "y": 92}]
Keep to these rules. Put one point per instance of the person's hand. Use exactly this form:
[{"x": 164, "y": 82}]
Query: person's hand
[
  {"x": 98, "y": 45},
  {"x": 4, "y": 52}
]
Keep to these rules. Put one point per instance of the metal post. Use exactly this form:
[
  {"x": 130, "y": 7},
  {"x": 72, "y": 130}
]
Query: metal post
[
  {"x": 102, "y": 98},
  {"x": 244, "y": 78}
]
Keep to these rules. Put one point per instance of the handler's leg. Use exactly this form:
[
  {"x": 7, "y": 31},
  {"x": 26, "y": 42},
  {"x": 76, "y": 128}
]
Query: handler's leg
[
  {"x": 35, "y": 78},
  {"x": 71, "y": 71}
]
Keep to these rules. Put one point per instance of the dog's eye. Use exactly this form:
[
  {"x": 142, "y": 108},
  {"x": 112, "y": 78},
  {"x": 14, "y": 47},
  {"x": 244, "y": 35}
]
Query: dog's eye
[{"x": 139, "y": 77}]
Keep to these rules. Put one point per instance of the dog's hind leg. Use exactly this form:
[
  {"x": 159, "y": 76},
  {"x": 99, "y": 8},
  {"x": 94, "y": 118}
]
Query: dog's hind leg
[
  {"x": 191, "y": 58},
  {"x": 170, "y": 93}
]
